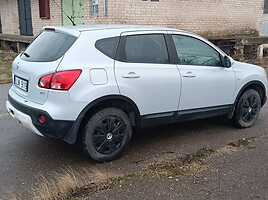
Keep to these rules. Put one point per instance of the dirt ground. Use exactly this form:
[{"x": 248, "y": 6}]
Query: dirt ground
[
  {"x": 6, "y": 59},
  {"x": 263, "y": 63}
]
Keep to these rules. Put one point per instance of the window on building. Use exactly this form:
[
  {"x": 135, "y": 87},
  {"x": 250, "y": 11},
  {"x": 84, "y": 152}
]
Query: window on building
[
  {"x": 44, "y": 9},
  {"x": 95, "y": 8},
  {"x": 265, "y": 10}
]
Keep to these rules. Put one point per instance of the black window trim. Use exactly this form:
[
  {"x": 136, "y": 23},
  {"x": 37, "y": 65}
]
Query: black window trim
[
  {"x": 175, "y": 55},
  {"x": 120, "y": 54}
]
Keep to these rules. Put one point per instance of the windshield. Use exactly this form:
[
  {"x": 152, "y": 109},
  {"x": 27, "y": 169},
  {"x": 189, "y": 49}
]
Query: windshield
[{"x": 48, "y": 46}]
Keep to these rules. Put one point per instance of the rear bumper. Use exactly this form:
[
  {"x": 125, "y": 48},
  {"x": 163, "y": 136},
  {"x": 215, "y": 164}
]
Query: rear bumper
[
  {"x": 22, "y": 118},
  {"x": 29, "y": 118}
]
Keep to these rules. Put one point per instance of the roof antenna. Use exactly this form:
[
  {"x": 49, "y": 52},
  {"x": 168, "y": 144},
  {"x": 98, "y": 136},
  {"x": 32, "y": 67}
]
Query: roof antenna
[{"x": 65, "y": 13}]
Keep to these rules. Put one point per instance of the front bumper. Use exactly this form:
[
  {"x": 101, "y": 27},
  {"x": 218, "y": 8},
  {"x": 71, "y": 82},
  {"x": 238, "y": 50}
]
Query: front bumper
[{"x": 29, "y": 118}]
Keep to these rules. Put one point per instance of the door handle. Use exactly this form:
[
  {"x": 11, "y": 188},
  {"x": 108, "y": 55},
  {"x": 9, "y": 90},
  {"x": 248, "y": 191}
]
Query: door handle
[
  {"x": 132, "y": 75},
  {"x": 189, "y": 74}
]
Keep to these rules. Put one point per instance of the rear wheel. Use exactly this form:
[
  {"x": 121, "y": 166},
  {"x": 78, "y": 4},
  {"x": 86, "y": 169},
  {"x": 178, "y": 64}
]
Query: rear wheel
[
  {"x": 107, "y": 134},
  {"x": 247, "y": 109}
]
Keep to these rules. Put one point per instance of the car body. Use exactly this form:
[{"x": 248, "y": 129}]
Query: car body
[{"x": 98, "y": 82}]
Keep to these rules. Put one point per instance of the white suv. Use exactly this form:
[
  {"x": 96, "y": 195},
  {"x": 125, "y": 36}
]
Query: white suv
[{"x": 99, "y": 82}]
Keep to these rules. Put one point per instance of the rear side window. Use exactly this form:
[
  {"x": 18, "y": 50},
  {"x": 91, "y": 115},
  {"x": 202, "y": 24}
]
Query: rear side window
[
  {"x": 48, "y": 46},
  {"x": 108, "y": 46},
  {"x": 149, "y": 48}
]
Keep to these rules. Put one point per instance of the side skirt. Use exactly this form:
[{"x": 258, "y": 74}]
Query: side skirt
[{"x": 183, "y": 115}]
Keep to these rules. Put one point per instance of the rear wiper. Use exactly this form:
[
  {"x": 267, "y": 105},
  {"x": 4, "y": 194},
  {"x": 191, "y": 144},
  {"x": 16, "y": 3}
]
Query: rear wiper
[{"x": 26, "y": 54}]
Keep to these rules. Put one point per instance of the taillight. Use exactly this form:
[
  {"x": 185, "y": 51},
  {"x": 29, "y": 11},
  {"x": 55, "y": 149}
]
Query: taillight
[
  {"x": 44, "y": 82},
  {"x": 59, "y": 80}
]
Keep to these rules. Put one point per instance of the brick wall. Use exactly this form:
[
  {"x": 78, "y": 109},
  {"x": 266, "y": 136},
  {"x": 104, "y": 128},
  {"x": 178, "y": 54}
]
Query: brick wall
[
  {"x": 55, "y": 15},
  {"x": 206, "y": 17},
  {"x": 9, "y": 16}
]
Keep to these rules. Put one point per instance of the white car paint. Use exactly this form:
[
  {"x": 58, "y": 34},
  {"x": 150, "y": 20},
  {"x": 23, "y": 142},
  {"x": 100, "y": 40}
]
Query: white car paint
[
  {"x": 208, "y": 87},
  {"x": 154, "y": 88}
]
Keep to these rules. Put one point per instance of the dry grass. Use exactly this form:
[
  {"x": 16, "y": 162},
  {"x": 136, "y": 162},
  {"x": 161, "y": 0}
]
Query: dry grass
[
  {"x": 6, "y": 59},
  {"x": 193, "y": 164},
  {"x": 225, "y": 150},
  {"x": 69, "y": 184},
  {"x": 10, "y": 196},
  {"x": 186, "y": 165},
  {"x": 72, "y": 183}
]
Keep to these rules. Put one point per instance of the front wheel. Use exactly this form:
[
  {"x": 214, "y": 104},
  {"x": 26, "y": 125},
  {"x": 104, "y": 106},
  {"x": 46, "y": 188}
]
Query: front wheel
[
  {"x": 247, "y": 109},
  {"x": 107, "y": 134}
]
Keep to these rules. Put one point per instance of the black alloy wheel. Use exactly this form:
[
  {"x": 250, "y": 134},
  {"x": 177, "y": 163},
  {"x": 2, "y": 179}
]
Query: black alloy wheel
[
  {"x": 247, "y": 109},
  {"x": 107, "y": 134}
]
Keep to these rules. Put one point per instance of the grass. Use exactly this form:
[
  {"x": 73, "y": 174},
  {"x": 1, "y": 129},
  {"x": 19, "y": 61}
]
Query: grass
[
  {"x": 72, "y": 183},
  {"x": 186, "y": 165},
  {"x": 68, "y": 185},
  {"x": 6, "y": 59}
]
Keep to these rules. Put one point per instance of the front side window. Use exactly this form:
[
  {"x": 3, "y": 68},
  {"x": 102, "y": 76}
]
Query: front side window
[
  {"x": 192, "y": 51},
  {"x": 146, "y": 49}
]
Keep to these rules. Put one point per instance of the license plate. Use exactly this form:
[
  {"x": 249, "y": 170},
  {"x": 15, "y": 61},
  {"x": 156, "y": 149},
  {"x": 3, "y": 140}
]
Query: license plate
[{"x": 21, "y": 83}]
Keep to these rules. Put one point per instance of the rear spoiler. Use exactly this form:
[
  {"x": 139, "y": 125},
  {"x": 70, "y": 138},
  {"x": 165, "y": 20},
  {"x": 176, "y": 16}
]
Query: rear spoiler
[{"x": 62, "y": 29}]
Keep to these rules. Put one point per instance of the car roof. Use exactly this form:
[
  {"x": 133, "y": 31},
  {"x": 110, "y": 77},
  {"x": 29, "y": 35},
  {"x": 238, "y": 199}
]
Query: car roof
[
  {"x": 114, "y": 26},
  {"x": 118, "y": 27}
]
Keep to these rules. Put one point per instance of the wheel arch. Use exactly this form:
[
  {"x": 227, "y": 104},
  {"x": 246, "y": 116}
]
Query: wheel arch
[
  {"x": 117, "y": 101},
  {"x": 256, "y": 85}
]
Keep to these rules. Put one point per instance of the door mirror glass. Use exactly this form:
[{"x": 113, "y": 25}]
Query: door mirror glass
[{"x": 226, "y": 62}]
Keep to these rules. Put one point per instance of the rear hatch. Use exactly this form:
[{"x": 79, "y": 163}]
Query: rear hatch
[{"x": 42, "y": 57}]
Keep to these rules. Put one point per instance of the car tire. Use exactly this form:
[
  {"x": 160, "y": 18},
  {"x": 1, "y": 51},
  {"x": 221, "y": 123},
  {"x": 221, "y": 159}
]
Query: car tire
[
  {"x": 106, "y": 134},
  {"x": 247, "y": 109}
]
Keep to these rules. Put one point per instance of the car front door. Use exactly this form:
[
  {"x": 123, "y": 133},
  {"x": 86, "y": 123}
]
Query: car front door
[
  {"x": 145, "y": 75},
  {"x": 205, "y": 82}
]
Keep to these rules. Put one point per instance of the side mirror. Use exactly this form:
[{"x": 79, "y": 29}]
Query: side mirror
[{"x": 226, "y": 62}]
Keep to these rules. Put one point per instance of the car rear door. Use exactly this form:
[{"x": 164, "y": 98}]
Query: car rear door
[
  {"x": 144, "y": 73},
  {"x": 42, "y": 57},
  {"x": 205, "y": 82}
]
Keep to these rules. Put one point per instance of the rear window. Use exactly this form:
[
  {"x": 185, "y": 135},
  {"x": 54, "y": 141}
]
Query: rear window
[
  {"x": 48, "y": 46},
  {"x": 108, "y": 46}
]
